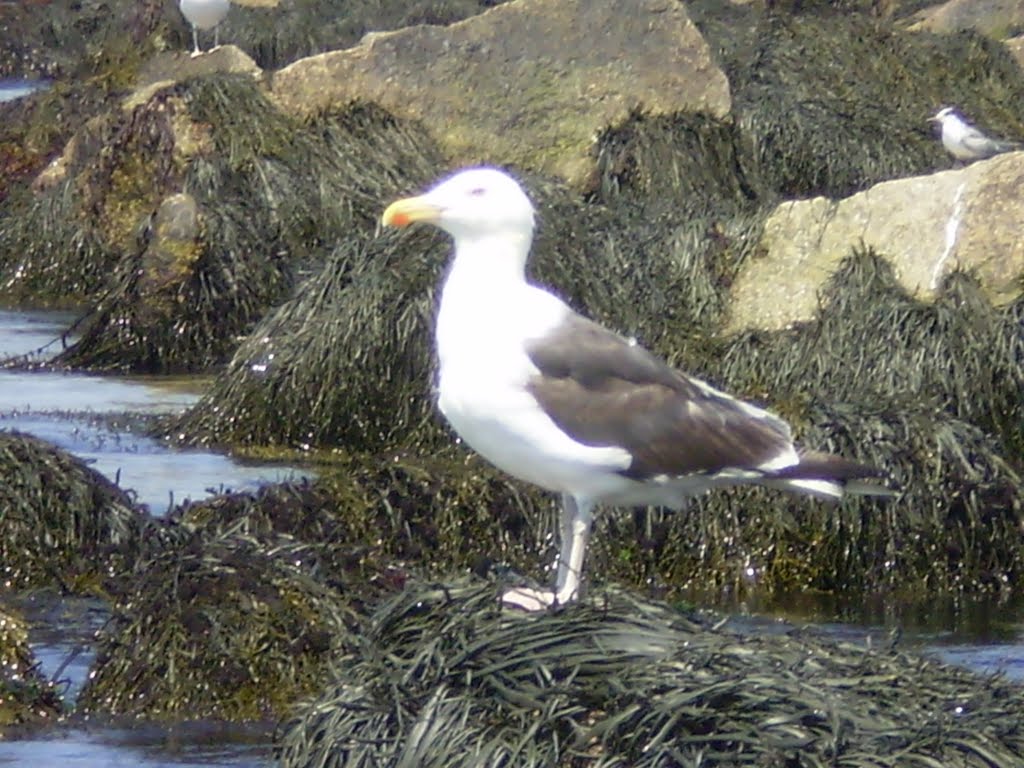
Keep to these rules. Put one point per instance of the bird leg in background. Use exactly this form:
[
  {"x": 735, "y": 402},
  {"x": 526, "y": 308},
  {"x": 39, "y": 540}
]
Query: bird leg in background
[
  {"x": 574, "y": 533},
  {"x": 195, "y": 43}
]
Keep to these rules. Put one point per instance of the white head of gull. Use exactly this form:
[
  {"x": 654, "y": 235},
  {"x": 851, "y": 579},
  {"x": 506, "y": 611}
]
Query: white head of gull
[
  {"x": 966, "y": 143},
  {"x": 559, "y": 401},
  {"x": 204, "y": 15}
]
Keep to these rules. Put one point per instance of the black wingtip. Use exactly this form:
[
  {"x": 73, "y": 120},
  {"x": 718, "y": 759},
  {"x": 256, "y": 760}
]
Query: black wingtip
[{"x": 827, "y": 466}]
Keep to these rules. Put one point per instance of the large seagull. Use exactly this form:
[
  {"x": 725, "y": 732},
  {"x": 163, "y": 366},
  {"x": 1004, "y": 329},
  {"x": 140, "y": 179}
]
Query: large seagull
[{"x": 559, "y": 401}]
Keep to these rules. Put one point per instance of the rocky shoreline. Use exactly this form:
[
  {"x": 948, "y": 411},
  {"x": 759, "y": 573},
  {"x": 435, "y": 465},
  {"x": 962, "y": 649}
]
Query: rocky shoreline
[{"x": 751, "y": 191}]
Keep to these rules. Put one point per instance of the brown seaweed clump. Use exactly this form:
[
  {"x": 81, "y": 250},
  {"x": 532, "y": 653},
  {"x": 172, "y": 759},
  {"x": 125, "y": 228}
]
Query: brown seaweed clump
[
  {"x": 324, "y": 517},
  {"x": 26, "y": 698},
  {"x": 368, "y": 521},
  {"x": 70, "y": 37},
  {"x": 184, "y": 273},
  {"x": 266, "y": 199},
  {"x": 445, "y": 677},
  {"x": 62, "y": 523},
  {"x": 232, "y": 627},
  {"x": 346, "y": 359},
  {"x": 334, "y": 365}
]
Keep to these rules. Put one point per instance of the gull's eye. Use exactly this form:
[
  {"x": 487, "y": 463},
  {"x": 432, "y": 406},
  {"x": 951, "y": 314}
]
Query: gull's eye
[{"x": 478, "y": 192}]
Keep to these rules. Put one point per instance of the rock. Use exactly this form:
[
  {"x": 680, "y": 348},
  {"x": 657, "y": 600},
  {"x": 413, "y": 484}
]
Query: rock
[
  {"x": 994, "y": 18},
  {"x": 1016, "y": 47},
  {"x": 170, "y": 67},
  {"x": 529, "y": 82},
  {"x": 171, "y": 255},
  {"x": 927, "y": 226}
]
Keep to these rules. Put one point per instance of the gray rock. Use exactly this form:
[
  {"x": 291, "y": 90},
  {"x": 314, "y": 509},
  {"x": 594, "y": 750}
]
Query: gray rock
[{"x": 170, "y": 67}]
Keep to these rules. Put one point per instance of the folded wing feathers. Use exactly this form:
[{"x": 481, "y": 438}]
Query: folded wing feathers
[{"x": 604, "y": 390}]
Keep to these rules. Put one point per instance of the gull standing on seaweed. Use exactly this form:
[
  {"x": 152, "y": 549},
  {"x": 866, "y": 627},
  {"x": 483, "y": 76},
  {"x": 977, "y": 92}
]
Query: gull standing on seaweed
[
  {"x": 560, "y": 401},
  {"x": 204, "y": 15},
  {"x": 964, "y": 142}
]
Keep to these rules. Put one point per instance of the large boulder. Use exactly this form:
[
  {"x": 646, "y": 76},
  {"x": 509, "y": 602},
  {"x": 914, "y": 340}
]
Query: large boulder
[
  {"x": 530, "y": 82},
  {"x": 927, "y": 226},
  {"x": 995, "y": 18}
]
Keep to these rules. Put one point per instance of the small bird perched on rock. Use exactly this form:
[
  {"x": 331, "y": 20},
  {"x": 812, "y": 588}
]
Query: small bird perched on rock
[
  {"x": 964, "y": 142},
  {"x": 559, "y": 401},
  {"x": 204, "y": 15}
]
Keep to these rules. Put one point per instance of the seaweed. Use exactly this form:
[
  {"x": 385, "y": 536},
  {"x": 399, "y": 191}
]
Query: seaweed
[
  {"x": 271, "y": 197},
  {"x": 445, "y": 677},
  {"x": 346, "y": 361},
  {"x": 830, "y": 103},
  {"x": 26, "y": 697},
  {"x": 228, "y": 626},
  {"x": 63, "y": 523}
]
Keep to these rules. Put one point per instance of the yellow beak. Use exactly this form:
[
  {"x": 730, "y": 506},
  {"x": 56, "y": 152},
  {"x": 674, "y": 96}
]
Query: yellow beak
[{"x": 409, "y": 210}]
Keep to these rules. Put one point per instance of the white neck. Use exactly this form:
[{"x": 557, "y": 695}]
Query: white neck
[
  {"x": 483, "y": 298},
  {"x": 495, "y": 259}
]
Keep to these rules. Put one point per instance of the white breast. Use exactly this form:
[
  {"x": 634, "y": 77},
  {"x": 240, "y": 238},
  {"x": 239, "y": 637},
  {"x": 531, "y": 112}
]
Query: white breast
[
  {"x": 205, "y": 14},
  {"x": 484, "y": 371}
]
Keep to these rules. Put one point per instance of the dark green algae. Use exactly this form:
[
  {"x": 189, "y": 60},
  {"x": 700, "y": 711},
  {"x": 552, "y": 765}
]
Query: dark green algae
[
  {"x": 63, "y": 524},
  {"x": 443, "y": 676}
]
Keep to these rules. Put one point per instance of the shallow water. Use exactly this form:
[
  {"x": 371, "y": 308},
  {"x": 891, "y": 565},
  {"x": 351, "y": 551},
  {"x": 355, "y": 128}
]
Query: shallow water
[
  {"x": 77, "y": 412},
  {"x": 74, "y": 410},
  {"x": 11, "y": 89},
  {"x": 983, "y": 635},
  {"x": 62, "y": 630},
  {"x": 191, "y": 746}
]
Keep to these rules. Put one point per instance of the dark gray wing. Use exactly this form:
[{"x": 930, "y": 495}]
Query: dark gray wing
[{"x": 604, "y": 391}]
